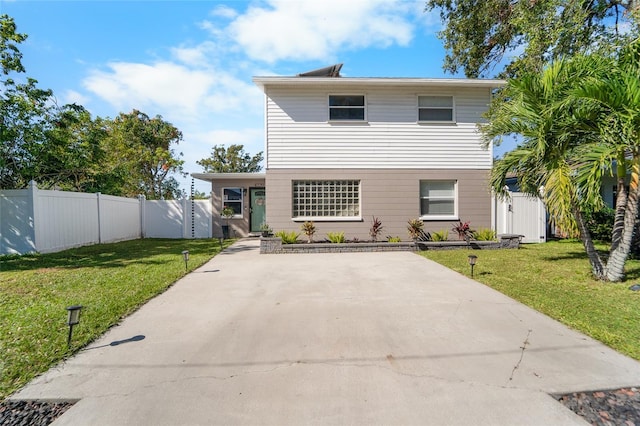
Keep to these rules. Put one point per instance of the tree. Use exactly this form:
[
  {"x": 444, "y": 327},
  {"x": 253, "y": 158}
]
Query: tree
[
  {"x": 478, "y": 34},
  {"x": 10, "y": 56},
  {"x": 24, "y": 120},
  {"x": 24, "y": 110},
  {"x": 140, "y": 152},
  {"x": 614, "y": 98},
  {"x": 73, "y": 157},
  {"x": 231, "y": 160},
  {"x": 577, "y": 118}
]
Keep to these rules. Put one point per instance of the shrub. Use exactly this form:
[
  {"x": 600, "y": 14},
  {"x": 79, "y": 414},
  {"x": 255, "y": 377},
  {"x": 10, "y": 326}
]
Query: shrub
[
  {"x": 393, "y": 239},
  {"x": 440, "y": 235},
  {"x": 336, "y": 237},
  {"x": 308, "y": 228},
  {"x": 416, "y": 232},
  {"x": 484, "y": 234},
  {"x": 288, "y": 237},
  {"x": 600, "y": 223},
  {"x": 376, "y": 228},
  {"x": 463, "y": 230},
  {"x": 265, "y": 229}
]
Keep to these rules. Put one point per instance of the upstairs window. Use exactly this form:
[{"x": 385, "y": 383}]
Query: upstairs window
[
  {"x": 436, "y": 109},
  {"x": 346, "y": 107}
]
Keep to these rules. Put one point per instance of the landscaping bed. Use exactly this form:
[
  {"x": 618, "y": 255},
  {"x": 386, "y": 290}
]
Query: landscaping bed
[{"x": 274, "y": 245}]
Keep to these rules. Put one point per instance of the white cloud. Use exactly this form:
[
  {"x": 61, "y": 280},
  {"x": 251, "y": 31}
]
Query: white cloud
[
  {"x": 317, "y": 30},
  {"x": 71, "y": 97},
  {"x": 196, "y": 56},
  {"x": 177, "y": 91},
  {"x": 224, "y": 12}
]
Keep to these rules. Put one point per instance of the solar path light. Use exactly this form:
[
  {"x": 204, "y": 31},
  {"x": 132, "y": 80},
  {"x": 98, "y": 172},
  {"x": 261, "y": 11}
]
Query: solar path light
[
  {"x": 472, "y": 262},
  {"x": 185, "y": 256},
  {"x": 73, "y": 319}
]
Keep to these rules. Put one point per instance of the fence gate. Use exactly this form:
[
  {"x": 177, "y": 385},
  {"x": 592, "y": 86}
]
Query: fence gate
[{"x": 523, "y": 215}]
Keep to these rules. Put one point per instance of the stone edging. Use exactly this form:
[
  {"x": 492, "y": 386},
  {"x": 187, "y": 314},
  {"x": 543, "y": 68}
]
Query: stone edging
[{"x": 273, "y": 245}]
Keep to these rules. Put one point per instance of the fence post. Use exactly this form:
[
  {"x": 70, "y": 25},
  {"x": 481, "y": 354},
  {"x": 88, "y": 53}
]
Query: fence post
[
  {"x": 185, "y": 217},
  {"x": 142, "y": 200},
  {"x": 99, "y": 218},
  {"x": 35, "y": 220}
]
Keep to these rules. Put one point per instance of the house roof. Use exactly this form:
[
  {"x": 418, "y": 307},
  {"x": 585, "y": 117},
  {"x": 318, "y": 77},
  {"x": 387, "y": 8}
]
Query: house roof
[
  {"x": 263, "y": 82},
  {"x": 210, "y": 177}
]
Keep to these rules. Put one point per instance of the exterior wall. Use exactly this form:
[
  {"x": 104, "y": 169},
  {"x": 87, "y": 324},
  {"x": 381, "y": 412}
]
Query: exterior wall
[
  {"x": 239, "y": 227},
  {"x": 391, "y": 195},
  {"x": 300, "y": 136}
]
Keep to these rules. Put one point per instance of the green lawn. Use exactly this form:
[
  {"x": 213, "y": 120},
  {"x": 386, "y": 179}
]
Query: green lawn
[
  {"x": 109, "y": 280},
  {"x": 554, "y": 278},
  {"x": 113, "y": 280}
]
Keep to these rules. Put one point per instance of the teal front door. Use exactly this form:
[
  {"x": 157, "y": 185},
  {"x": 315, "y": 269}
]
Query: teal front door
[{"x": 258, "y": 200}]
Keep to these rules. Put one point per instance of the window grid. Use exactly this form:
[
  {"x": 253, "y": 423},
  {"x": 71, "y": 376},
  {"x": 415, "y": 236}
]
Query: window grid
[{"x": 326, "y": 198}]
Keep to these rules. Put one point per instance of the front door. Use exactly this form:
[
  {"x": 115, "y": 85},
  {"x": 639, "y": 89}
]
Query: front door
[{"x": 258, "y": 200}]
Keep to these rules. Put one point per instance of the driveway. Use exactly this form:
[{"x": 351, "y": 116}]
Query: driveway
[{"x": 362, "y": 338}]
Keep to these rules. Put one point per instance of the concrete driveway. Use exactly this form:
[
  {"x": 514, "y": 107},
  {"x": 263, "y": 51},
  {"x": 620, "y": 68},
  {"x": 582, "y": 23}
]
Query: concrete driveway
[{"x": 362, "y": 338}]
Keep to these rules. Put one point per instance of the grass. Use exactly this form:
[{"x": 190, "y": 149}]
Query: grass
[
  {"x": 109, "y": 280},
  {"x": 555, "y": 279}
]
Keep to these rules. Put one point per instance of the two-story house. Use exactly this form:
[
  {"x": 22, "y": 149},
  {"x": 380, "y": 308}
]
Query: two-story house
[{"x": 341, "y": 150}]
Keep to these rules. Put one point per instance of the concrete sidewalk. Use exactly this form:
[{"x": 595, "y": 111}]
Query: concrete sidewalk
[{"x": 362, "y": 338}]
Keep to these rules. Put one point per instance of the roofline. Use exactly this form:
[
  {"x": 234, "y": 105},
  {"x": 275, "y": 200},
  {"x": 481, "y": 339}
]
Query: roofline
[
  {"x": 262, "y": 82},
  {"x": 210, "y": 177}
]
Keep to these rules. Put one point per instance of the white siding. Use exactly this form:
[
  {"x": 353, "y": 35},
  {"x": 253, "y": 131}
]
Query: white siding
[{"x": 299, "y": 136}]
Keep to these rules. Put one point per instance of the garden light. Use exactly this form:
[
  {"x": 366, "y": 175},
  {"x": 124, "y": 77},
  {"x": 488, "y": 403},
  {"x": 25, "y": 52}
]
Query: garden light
[
  {"x": 73, "y": 319},
  {"x": 185, "y": 256},
  {"x": 472, "y": 262}
]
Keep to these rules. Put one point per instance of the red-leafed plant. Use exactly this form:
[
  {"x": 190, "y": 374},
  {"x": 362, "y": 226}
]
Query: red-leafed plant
[
  {"x": 464, "y": 230},
  {"x": 376, "y": 228}
]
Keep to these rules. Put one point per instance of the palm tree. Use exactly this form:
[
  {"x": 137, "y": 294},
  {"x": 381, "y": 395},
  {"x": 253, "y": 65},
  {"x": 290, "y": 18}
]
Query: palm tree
[
  {"x": 615, "y": 99},
  {"x": 553, "y": 131}
]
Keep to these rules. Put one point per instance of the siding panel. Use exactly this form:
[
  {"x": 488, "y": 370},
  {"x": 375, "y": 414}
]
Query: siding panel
[
  {"x": 299, "y": 136},
  {"x": 391, "y": 195}
]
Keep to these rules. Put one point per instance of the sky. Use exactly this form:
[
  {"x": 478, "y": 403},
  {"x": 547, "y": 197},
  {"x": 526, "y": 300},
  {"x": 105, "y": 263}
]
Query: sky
[{"x": 192, "y": 62}]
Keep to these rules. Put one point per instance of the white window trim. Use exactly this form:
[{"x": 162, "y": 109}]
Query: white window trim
[
  {"x": 454, "y": 216},
  {"x": 241, "y": 201},
  {"x": 329, "y": 120},
  {"x": 418, "y": 107}
]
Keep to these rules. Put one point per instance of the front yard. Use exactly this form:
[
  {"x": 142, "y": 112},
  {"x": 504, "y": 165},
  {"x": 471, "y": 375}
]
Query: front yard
[
  {"x": 109, "y": 280},
  {"x": 554, "y": 278},
  {"x": 113, "y": 280}
]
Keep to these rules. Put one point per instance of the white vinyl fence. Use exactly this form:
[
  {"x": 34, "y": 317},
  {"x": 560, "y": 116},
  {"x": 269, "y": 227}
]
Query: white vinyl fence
[
  {"x": 48, "y": 221},
  {"x": 177, "y": 219},
  {"x": 523, "y": 215}
]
